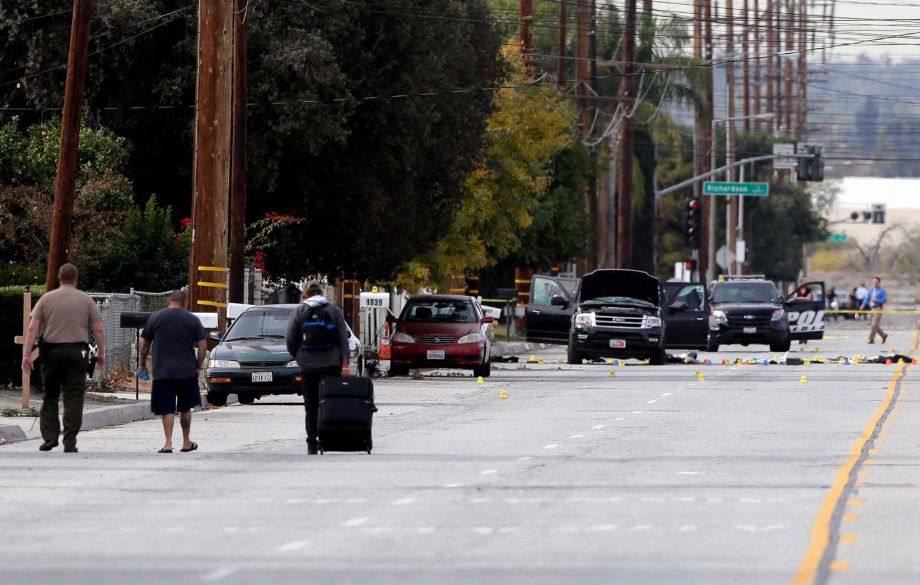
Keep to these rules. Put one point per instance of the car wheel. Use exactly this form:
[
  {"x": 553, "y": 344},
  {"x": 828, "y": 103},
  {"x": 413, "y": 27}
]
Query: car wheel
[
  {"x": 659, "y": 358},
  {"x": 217, "y": 398},
  {"x": 781, "y": 346},
  {"x": 246, "y": 398},
  {"x": 574, "y": 356},
  {"x": 711, "y": 344},
  {"x": 484, "y": 371},
  {"x": 398, "y": 370}
]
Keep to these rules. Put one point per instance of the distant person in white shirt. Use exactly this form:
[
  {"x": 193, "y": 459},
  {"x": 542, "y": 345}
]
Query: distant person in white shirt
[{"x": 861, "y": 292}]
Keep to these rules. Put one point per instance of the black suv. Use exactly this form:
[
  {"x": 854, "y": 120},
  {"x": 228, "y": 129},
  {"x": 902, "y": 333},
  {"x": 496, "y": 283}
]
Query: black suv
[
  {"x": 747, "y": 310},
  {"x": 617, "y": 314}
]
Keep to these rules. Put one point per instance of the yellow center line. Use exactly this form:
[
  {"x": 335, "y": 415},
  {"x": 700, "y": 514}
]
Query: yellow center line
[{"x": 825, "y": 524}]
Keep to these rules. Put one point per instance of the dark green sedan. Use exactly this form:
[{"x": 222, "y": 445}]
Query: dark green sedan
[{"x": 252, "y": 359}]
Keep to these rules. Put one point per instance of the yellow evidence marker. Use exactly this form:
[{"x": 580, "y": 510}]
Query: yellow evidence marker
[{"x": 503, "y": 395}]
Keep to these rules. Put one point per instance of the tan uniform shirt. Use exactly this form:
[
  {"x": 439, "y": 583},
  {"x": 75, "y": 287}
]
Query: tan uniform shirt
[{"x": 66, "y": 315}]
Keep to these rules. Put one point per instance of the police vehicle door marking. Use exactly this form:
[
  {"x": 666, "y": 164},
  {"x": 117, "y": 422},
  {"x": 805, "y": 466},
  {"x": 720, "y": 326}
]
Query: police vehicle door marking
[{"x": 802, "y": 321}]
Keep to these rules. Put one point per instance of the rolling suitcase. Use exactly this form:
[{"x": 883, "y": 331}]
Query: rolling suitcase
[{"x": 346, "y": 410}]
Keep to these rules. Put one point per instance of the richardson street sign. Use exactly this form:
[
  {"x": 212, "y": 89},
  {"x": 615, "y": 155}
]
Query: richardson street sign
[{"x": 743, "y": 189}]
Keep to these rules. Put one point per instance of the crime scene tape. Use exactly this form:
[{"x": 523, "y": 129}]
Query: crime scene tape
[{"x": 871, "y": 312}]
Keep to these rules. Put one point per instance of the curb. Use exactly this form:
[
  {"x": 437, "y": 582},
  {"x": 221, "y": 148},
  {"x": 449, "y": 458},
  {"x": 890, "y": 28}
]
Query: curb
[
  {"x": 96, "y": 419},
  {"x": 501, "y": 349},
  {"x": 11, "y": 434}
]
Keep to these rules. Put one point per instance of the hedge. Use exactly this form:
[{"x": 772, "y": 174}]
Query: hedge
[{"x": 10, "y": 327}]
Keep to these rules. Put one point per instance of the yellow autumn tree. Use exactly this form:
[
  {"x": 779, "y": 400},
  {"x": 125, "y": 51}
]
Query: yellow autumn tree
[{"x": 531, "y": 123}]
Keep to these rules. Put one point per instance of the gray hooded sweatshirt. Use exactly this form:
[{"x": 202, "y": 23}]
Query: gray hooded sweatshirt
[{"x": 322, "y": 359}]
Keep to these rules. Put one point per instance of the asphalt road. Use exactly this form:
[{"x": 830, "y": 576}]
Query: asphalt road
[{"x": 650, "y": 475}]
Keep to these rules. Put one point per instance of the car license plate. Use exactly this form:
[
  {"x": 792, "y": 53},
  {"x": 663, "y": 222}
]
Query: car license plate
[
  {"x": 750, "y": 330},
  {"x": 617, "y": 343},
  {"x": 261, "y": 376},
  {"x": 436, "y": 354}
]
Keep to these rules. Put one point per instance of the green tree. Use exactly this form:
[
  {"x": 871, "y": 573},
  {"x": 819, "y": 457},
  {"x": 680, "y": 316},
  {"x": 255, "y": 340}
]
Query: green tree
[
  {"x": 531, "y": 124},
  {"x": 147, "y": 254}
]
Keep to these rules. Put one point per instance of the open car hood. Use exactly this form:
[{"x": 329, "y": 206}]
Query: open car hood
[{"x": 619, "y": 283}]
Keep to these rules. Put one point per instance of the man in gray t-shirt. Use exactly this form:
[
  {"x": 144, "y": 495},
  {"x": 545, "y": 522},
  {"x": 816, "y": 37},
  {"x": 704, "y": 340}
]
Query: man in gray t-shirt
[{"x": 175, "y": 335}]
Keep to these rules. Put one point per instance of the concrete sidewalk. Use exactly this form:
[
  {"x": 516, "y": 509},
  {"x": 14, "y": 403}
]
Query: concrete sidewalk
[{"x": 101, "y": 409}]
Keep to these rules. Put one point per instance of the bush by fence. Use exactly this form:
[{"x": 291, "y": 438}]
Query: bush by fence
[{"x": 10, "y": 327}]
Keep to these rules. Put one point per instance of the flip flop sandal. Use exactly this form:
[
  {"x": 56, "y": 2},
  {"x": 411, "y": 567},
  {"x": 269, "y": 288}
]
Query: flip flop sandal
[
  {"x": 192, "y": 448},
  {"x": 165, "y": 451}
]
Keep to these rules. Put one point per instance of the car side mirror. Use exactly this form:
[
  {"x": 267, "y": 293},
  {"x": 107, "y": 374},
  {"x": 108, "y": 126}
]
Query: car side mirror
[
  {"x": 488, "y": 319},
  {"x": 559, "y": 301},
  {"x": 215, "y": 335}
]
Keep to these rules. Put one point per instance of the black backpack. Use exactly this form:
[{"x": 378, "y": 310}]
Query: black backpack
[{"x": 319, "y": 331}]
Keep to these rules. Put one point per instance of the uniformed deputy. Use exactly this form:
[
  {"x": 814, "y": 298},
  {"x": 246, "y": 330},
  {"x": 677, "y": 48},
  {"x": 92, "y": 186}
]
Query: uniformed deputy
[{"x": 65, "y": 315}]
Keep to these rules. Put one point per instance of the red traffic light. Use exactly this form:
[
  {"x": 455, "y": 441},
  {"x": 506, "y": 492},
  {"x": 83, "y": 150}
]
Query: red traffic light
[
  {"x": 690, "y": 264},
  {"x": 694, "y": 204}
]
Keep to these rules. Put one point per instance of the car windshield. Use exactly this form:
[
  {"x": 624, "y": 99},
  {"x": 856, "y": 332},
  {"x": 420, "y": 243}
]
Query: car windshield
[
  {"x": 258, "y": 325},
  {"x": 439, "y": 312},
  {"x": 749, "y": 292},
  {"x": 619, "y": 301}
]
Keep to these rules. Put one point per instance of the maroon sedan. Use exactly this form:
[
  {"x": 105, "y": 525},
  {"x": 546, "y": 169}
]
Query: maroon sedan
[{"x": 441, "y": 331}]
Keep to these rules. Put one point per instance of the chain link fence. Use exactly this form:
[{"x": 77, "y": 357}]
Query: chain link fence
[{"x": 120, "y": 343}]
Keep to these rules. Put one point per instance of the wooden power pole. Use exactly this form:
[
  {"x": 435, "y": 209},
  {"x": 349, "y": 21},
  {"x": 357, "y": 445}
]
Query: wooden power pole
[
  {"x": 788, "y": 99},
  {"x": 238, "y": 153},
  {"x": 62, "y": 217},
  {"x": 757, "y": 66},
  {"x": 745, "y": 68},
  {"x": 211, "y": 174},
  {"x": 771, "y": 52},
  {"x": 700, "y": 134},
  {"x": 561, "y": 64},
  {"x": 802, "y": 101},
  {"x": 628, "y": 99},
  {"x": 526, "y": 11},
  {"x": 582, "y": 25},
  {"x": 732, "y": 236},
  {"x": 709, "y": 203}
]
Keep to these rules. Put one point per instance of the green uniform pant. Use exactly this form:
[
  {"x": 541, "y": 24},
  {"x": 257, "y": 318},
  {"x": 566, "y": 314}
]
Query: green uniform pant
[{"x": 63, "y": 375}]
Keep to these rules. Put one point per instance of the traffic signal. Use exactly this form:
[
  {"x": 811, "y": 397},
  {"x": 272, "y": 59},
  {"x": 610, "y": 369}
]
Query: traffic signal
[
  {"x": 810, "y": 169},
  {"x": 694, "y": 209},
  {"x": 690, "y": 265}
]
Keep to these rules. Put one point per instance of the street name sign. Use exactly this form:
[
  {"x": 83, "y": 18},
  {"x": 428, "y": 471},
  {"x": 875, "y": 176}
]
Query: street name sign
[{"x": 743, "y": 189}]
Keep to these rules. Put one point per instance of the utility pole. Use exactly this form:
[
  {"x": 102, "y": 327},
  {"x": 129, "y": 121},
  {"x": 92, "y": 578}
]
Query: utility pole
[
  {"x": 211, "y": 174},
  {"x": 62, "y": 216},
  {"x": 802, "y": 105},
  {"x": 628, "y": 99},
  {"x": 583, "y": 23},
  {"x": 599, "y": 209},
  {"x": 709, "y": 203},
  {"x": 788, "y": 99},
  {"x": 757, "y": 75},
  {"x": 526, "y": 10},
  {"x": 238, "y": 153},
  {"x": 699, "y": 141},
  {"x": 731, "y": 236},
  {"x": 745, "y": 68},
  {"x": 771, "y": 51},
  {"x": 778, "y": 67},
  {"x": 560, "y": 64}
]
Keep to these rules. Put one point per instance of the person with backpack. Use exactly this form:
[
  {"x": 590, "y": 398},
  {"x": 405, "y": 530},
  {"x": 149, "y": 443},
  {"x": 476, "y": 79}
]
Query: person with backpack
[{"x": 317, "y": 337}]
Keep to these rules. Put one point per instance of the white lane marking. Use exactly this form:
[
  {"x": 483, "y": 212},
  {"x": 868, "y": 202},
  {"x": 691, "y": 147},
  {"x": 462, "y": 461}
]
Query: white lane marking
[
  {"x": 550, "y": 446},
  {"x": 688, "y": 528},
  {"x": 379, "y": 529},
  {"x": 295, "y": 501},
  {"x": 355, "y": 501},
  {"x": 666, "y": 394},
  {"x": 354, "y": 522},
  {"x": 219, "y": 574},
  {"x": 508, "y": 529},
  {"x": 453, "y": 485},
  {"x": 689, "y": 473},
  {"x": 652, "y": 499},
  {"x": 175, "y": 529},
  {"x": 294, "y": 545},
  {"x": 323, "y": 501},
  {"x": 483, "y": 529},
  {"x": 525, "y": 458},
  {"x": 480, "y": 500},
  {"x": 425, "y": 529},
  {"x": 651, "y": 401},
  {"x": 576, "y": 436},
  {"x": 620, "y": 418},
  {"x": 684, "y": 499},
  {"x": 490, "y": 472},
  {"x": 598, "y": 427},
  {"x": 642, "y": 527},
  {"x": 691, "y": 384},
  {"x": 602, "y": 528},
  {"x": 128, "y": 530},
  {"x": 404, "y": 501},
  {"x": 637, "y": 412}
]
